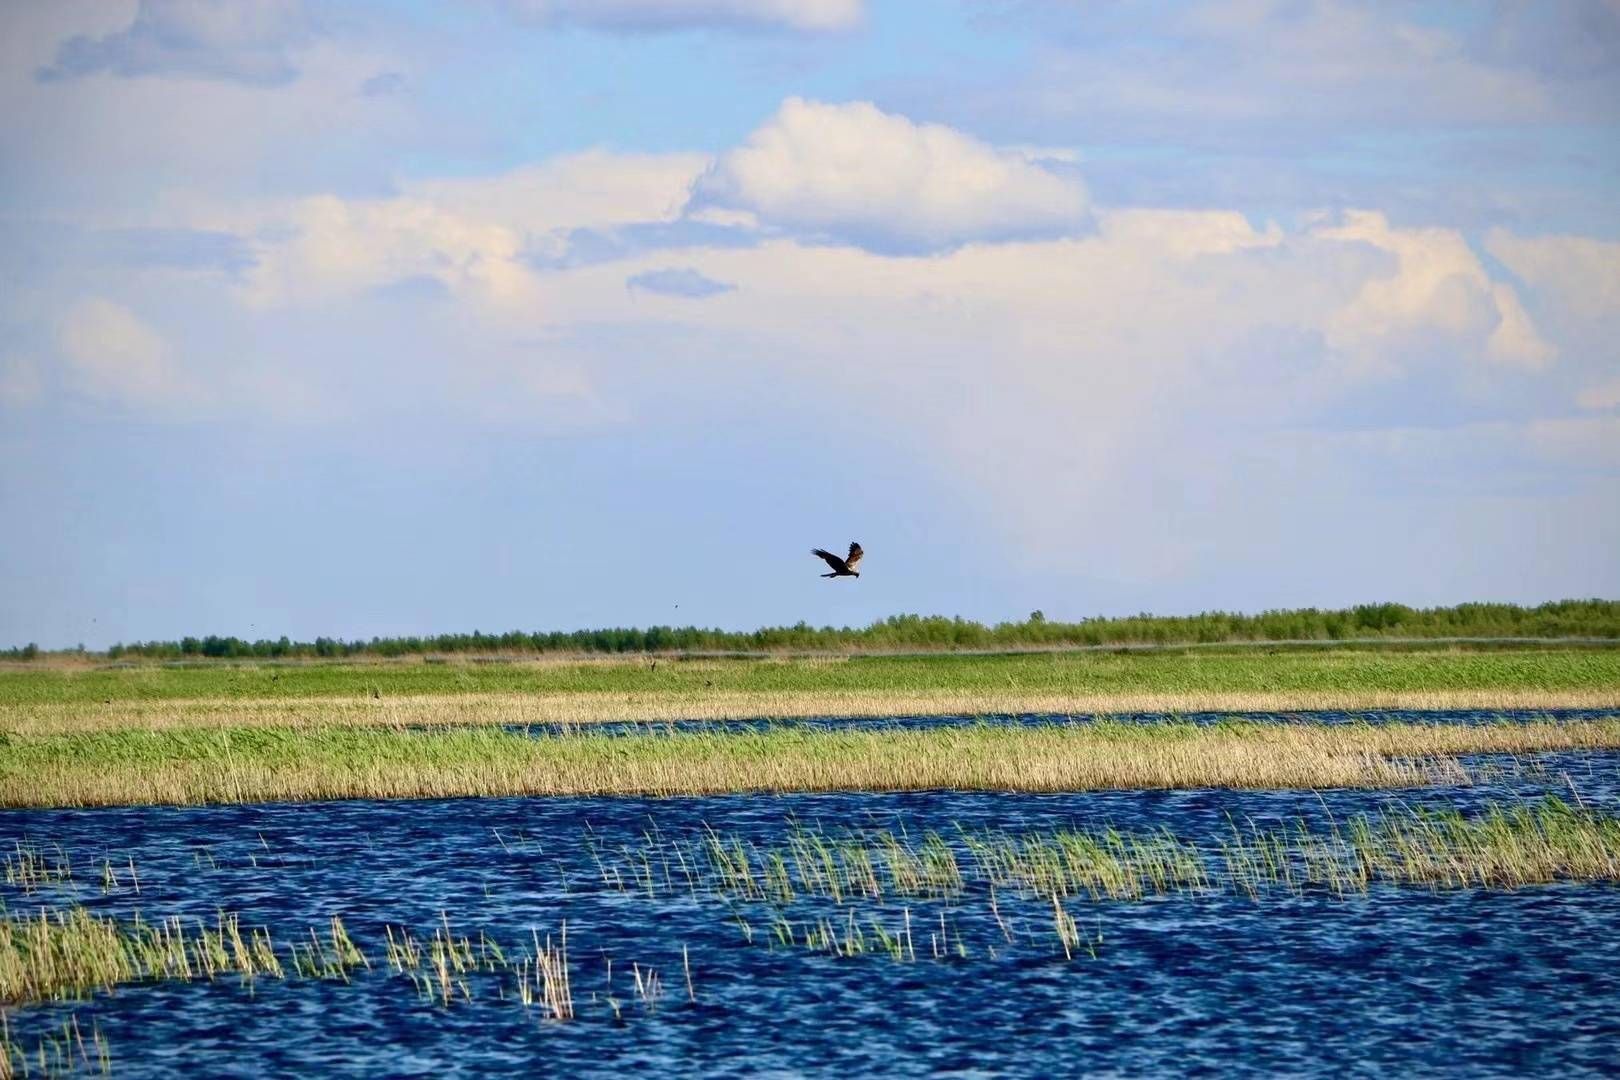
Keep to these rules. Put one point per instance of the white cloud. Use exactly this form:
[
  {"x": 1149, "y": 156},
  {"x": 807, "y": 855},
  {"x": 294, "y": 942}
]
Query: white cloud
[
  {"x": 248, "y": 41},
  {"x": 1438, "y": 283},
  {"x": 110, "y": 354},
  {"x": 653, "y": 15},
  {"x": 1187, "y": 233},
  {"x": 475, "y": 237},
  {"x": 1147, "y": 369},
  {"x": 855, "y": 174},
  {"x": 593, "y": 189},
  {"x": 1159, "y": 370},
  {"x": 336, "y": 247}
]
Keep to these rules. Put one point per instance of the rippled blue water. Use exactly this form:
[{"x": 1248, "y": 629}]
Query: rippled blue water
[{"x": 1467, "y": 981}]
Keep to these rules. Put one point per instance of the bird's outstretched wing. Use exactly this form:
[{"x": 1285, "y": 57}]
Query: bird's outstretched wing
[
  {"x": 832, "y": 560},
  {"x": 855, "y": 554}
]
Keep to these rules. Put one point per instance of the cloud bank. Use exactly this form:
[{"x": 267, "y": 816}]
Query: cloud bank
[{"x": 1197, "y": 373}]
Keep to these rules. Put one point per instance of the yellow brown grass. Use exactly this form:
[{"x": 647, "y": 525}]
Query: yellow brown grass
[
  {"x": 517, "y": 709},
  {"x": 261, "y": 765}
]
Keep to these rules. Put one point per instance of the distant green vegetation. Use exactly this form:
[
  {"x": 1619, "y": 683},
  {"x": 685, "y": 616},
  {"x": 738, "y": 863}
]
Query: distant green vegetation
[
  {"x": 1088, "y": 674},
  {"x": 1560, "y": 619}
]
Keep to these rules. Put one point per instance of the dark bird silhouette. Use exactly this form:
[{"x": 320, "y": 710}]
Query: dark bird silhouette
[{"x": 844, "y": 567}]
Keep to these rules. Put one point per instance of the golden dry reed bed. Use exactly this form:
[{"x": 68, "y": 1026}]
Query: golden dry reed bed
[
  {"x": 517, "y": 709},
  {"x": 266, "y": 764}
]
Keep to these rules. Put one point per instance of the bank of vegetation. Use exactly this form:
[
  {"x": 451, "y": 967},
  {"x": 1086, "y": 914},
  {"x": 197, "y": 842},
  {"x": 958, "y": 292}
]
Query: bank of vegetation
[
  {"x": 1592, "y": 618},
  {"x": 43, "y": 698}
]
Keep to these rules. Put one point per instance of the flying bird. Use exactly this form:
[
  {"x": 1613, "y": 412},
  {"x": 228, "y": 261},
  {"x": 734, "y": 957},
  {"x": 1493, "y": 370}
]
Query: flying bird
[{"x": 844, "y": 567}]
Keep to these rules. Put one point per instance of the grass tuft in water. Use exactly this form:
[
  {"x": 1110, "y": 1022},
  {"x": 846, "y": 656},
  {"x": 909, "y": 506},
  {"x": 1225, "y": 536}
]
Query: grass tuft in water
[{"x": 62, "y": 1052}]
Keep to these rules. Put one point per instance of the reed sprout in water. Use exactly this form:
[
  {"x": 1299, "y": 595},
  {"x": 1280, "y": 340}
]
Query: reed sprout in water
[
  {"x": 29, "y": 867},
  {"x": 332, "y": 958},
  {"x": 62, "y": 1052},
  {"x": 440, "y": 969},
  {"x": 1504, "y": 846}
]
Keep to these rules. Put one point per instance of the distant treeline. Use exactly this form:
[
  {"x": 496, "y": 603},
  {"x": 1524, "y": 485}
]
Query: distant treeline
[{"x": 1561, "y": 619}]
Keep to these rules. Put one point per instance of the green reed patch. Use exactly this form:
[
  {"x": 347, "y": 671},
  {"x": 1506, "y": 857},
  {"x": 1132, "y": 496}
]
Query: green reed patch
[
  {"x": 1032, "y": 881},
  {"x": 1139, "y": 672},
  {"x": 1503, "y": 847},
  {"x": 69, "y": 953}
]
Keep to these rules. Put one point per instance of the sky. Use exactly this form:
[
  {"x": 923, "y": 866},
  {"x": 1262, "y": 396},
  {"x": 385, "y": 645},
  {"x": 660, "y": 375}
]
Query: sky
[{"x": 379, "y": 318}]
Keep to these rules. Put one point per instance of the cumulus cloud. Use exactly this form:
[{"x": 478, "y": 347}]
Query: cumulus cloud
[
  {"x": 1438, "y": 283},
  {"x": 683, "y": 282},
  {"x": 474, "y": 237},
  {"x": 852, "y": 173},
  {"x": 1187, "y": 233},
  {"x": 334, "y": 247},
  {"x": 658, "y": 15},
  {"x": 247, "y": 41},
  {"x": 109, "y": 353}
]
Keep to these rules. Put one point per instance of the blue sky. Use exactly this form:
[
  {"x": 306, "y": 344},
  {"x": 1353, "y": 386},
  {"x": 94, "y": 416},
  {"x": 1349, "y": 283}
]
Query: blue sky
[{"x": 381, "y": 318}]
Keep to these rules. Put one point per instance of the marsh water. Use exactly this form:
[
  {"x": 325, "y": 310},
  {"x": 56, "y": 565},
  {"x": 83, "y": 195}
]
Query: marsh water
[
  {"x": 1330, "y": 718},
  {"x": 1462, "y": 980}
]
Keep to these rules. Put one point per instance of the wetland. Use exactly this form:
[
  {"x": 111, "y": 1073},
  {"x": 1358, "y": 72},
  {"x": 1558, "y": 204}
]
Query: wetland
[{"x": 201, "y": 879}]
